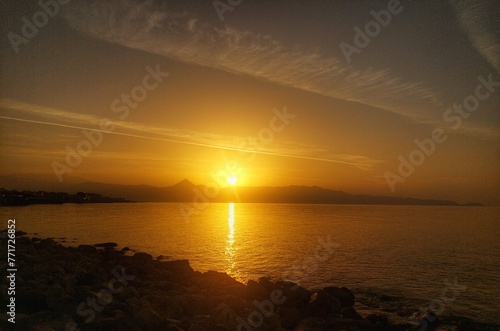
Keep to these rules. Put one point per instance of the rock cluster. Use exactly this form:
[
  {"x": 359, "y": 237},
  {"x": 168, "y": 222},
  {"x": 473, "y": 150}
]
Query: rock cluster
[{"x": 101, "y": 288}]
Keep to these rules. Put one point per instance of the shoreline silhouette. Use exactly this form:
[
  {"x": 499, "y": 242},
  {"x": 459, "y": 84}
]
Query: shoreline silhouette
[{"x": 98, "y": 287}]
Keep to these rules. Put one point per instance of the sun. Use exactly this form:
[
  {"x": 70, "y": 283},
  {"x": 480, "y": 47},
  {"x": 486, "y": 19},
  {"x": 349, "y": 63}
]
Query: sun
[{"x": 231, "y": 180}]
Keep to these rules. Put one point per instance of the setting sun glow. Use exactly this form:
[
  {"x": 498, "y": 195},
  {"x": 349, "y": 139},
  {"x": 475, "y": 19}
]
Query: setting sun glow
[{"x": 231, "y": 179}]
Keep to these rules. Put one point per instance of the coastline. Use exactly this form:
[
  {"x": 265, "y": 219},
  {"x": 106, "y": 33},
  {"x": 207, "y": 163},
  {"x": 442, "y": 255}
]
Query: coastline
[{"x": 101, "y": 288}]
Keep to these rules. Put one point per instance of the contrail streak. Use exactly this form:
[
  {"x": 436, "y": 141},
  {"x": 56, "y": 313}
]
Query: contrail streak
[{"x": 185, "y": 142}]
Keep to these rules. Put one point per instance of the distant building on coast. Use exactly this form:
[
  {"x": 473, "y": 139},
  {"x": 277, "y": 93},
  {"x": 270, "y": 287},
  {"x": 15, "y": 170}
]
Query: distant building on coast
[{"x": 23, "y": 198}]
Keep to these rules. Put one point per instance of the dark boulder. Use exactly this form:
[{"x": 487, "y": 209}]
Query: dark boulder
[
  {"x": 323, "y": 305},
  {"x": 380, "y": 321},
  {"x": 264, "y": 281},
  {"x": 425, "y": 319},
  {"x": 257, "y": 291},
  {"x": 31, "y": 300},
  {"x": 312, "y": 324},
  {"x": 223, "y": 314},
  {"x": 85, "y": 278},
  {"x": 87, "y": 248},
  {"x": 178, "y": 267},
  {"x": 290, "y": 316},
  {"x": 128, "y": 292},
  {"x": 142, "y": 257},
  {"x": 22, "y": 242},
  {"x": 46, "y": 243},
  {"x": 239, "y": 290},
  {"x": 218, "y": 280},
  {"x": 350, "y": 312},
  {"x": 340, "y": 323},
  {"x": 117, "y": 321},
  {"x": 236, "y": 303},
  {"x": 343, "y": 294},
  {"x": 296, "y": 296},
  {"x": 148, "y": 319}
]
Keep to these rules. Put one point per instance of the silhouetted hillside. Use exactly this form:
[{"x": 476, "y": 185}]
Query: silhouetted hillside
[{"x": 185, "y": 191}]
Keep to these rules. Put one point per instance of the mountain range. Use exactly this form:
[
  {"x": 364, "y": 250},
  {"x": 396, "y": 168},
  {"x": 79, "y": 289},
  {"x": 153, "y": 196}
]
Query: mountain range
[{"x": 186, "y": 191}]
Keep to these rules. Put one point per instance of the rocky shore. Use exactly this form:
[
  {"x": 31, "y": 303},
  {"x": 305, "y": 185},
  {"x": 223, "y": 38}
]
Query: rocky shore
[{"x": 102, "y": 288}]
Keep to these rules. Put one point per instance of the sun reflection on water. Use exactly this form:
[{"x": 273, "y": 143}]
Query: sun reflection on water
[{"x": 230, "y": 249}]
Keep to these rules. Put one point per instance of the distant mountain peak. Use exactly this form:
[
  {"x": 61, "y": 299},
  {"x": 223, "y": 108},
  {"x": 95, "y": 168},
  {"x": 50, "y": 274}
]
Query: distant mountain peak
[
  {"x": 183, "y": 192},
  {"x": 184, "y": 183}
]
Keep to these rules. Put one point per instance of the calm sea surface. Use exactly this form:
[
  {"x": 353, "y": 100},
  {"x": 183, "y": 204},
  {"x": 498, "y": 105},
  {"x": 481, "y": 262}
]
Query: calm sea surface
[{"x": 398, "y": 258}]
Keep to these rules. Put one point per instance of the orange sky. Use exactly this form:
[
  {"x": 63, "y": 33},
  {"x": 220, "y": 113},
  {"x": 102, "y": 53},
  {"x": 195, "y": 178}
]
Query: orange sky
[{"x": 231, "y": 84}]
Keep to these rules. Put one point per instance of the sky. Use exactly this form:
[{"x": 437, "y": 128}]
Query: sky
[{"x": 391, "y": 97}]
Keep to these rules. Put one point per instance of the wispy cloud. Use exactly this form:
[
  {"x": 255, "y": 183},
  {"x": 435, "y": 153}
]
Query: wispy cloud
[
  {"x": 60, "y": 118},
  {"x": 152, "y": 27},
  {"x": 479, "y": 20}
]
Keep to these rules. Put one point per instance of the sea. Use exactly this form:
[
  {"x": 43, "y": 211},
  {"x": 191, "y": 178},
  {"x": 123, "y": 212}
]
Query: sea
[{"x": 398, "y": 260}]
